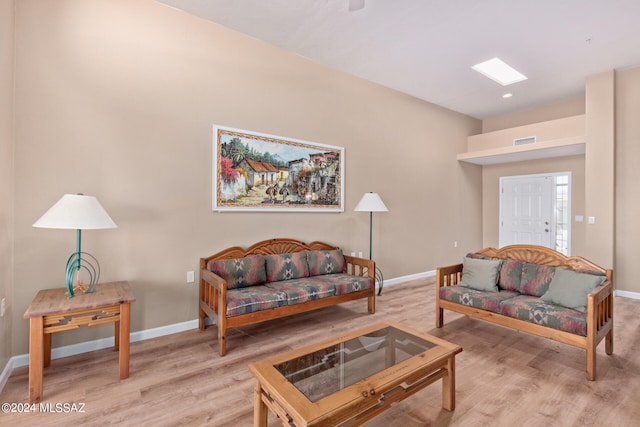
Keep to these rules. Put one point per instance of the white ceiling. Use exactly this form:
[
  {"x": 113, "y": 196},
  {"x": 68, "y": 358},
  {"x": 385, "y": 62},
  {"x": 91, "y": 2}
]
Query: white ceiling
[{"x": 426, "y": 48}]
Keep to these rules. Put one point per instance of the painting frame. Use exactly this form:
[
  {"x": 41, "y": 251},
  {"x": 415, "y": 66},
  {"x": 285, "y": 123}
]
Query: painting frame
[{"x": 259, "y": 172}]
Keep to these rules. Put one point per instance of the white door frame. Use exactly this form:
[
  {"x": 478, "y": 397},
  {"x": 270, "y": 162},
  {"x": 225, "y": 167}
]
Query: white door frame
[{"x": 554, "y": 204}]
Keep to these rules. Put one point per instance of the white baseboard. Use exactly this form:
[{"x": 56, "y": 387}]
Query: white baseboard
[
  {"x": 6, "y": 372},
  {"x": 416, "y": 276},
  {"x": 627, "y": 294}
]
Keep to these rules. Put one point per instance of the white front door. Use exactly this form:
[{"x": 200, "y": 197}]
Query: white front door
[{"x": 526, "y": 210}]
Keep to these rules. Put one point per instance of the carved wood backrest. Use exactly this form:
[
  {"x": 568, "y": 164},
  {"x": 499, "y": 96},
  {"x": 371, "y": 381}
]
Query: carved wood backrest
[
  {"x": 268, "y": 247},
  {"x": 544, "y": 256}
]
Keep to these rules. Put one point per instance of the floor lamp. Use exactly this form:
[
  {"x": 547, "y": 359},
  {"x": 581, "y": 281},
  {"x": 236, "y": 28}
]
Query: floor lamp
[{"x": 371, "y": 202}]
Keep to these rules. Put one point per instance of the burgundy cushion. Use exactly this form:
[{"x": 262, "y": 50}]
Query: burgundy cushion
[
  {"x": 536, "y": 279},
  {"x": 511, "y": 275}
]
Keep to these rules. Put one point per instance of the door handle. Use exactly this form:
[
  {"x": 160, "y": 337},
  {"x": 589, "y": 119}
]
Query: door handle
[{"x": 546, "y": 230}]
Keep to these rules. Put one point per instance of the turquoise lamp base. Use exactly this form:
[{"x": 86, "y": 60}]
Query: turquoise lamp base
[{"x": 81, "y": 261}]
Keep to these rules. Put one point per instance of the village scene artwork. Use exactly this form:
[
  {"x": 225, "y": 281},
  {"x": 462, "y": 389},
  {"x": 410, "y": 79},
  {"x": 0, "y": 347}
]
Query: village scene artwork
[{"x": 254, "y": 171}]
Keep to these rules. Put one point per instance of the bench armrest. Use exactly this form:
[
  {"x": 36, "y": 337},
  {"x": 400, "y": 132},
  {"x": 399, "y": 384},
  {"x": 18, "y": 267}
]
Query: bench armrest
[
  {"x": 213, "y": 279},
  {"x": 600, "y": 308},
  {"x": 448, "y": 276},
  {"x": 360, "y": 266}
]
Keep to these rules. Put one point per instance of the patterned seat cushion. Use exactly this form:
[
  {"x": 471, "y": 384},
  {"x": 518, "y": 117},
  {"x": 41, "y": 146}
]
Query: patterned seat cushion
[
  {"x": 286, "y": 266},
  {"x": 304, "y": 289},
  {"x": 326, "y": 262},
  {"x": 347, "y": 283},
  {"x": 484, "y": 300},
  {"x": 252, "y": 299},
  {"x": 240, "y": 272},
  {"x": 535, "y": 310}
]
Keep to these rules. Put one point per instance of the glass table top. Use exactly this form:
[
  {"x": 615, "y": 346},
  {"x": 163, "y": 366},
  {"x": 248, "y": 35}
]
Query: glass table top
[{"x": 326, "y": 371}]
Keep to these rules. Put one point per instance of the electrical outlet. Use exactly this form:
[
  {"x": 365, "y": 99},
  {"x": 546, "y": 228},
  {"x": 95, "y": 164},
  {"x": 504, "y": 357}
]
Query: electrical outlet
[
  {"x": 3, "y": 307},
  {"x": 191, "y": 277},
  {"x": 455, "y": 243}
]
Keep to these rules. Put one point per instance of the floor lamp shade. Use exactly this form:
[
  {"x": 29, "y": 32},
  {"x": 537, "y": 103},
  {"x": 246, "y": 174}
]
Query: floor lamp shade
[
  {"x": 371, "y": 202},
  {"x": 78, "y": 212}
]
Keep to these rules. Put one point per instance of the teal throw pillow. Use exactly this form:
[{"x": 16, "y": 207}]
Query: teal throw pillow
[
  {"x": 570, "y": 289},
  {"x": 480, "y": 274}
]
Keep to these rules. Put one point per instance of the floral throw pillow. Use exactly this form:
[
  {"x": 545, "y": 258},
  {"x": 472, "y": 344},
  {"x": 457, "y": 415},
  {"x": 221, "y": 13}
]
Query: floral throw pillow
[
  {"x": 326, "y": 262},
  {"x": 240, "y": 272}
]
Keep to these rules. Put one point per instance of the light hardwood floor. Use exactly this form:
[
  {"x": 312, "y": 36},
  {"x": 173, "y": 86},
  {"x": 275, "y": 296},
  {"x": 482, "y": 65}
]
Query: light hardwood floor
[{"x": 503, "y": 378}]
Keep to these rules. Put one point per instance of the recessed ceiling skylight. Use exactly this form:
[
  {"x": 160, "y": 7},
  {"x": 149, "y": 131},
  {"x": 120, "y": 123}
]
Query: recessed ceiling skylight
[{"x": 499, "y": 71}]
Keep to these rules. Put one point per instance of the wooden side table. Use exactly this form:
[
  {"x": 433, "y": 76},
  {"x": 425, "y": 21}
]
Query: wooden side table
[{"x": 51, "y": 312}]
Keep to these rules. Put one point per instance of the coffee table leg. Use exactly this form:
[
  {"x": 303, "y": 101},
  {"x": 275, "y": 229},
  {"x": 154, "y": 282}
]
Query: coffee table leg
[
  {"x": 260, "y": 411},
  {"x": 449, "y": 386}
]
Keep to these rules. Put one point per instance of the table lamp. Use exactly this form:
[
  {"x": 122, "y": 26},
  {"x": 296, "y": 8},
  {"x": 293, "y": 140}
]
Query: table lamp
[
  {"x": 79, "y": 212},
  {"x": 371, "y": 202}
]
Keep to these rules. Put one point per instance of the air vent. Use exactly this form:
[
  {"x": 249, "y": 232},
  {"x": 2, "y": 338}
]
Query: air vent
[{"x": 524, "y": 141}]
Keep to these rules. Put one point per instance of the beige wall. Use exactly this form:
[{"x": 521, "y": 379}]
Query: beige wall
[
  {"x": 117, "y": 99},
  {"x": 600, "y": 168},
  {"x": 572, "y": 107},
  {"x": 491, "y": 194},
  {"x": 627, "y": 227},
  {"x": 6, "y": 174}
]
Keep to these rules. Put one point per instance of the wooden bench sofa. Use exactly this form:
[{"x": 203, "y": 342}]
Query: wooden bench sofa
[
  {"x": 276, "y": 278},
  {"x": 537, "y": 290}
]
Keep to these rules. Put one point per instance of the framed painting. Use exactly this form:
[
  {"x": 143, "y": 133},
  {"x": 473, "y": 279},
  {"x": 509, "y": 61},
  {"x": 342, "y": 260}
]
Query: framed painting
[{"x": 258, "y": 172}]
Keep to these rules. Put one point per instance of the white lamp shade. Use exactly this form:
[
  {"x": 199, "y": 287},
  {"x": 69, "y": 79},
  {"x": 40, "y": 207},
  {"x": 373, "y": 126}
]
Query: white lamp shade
[
  {"x": 76, "y": 211},
  {"x": 371, "y": 202}
]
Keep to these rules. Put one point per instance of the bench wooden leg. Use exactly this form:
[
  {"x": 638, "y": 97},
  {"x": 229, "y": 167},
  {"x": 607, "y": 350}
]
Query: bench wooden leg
[
  {"x": 202, "y": 318},
  {"x": 222, "y": 334},
  {"x": 608, "y": 342},
  {"x": 439, "y": 317},
  {"x": 591, "y": 363},
  {"x": 371, "y": 304}
]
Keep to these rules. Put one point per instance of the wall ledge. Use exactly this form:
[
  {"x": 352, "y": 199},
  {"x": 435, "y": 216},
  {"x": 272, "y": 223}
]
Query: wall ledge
[{"x": 570, "y": 146}]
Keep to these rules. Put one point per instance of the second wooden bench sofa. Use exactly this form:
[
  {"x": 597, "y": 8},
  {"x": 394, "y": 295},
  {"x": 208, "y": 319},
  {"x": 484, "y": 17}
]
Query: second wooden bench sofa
[{"x": 536, "y": 290}]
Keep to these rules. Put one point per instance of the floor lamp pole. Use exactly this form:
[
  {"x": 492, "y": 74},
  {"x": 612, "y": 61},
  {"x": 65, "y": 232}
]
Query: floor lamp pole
[{"x": 370, "y": 235}]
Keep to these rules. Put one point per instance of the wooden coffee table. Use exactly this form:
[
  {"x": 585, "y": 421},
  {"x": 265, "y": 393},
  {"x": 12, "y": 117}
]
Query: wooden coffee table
[{"x": 352, "y": 377}]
